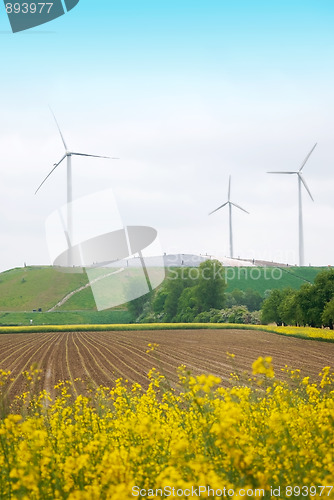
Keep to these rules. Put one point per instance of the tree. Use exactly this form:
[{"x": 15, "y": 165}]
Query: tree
[
  {"x": 238, "y": 314},
  {"x": 189, "y": 291},
  {"x": 252, "y": 300},
  {"x": 328, "y": 314},
  {"x": 159, "y": 300},
  {"x": 136, "y": 306},
  {"x": 324, "y": 285},
  {"x": 311, "y": 305},
  {"x": 174, "y": 291},
  {"x": 177, "y": 281},
  {"x": 307, "y": 308},
  {"x": 288, "y": 307},
  {"x": 312, "y": 299},
  {"x": 211, "y": 286},
  {"x": 238, "y": 297},
  {"x": 270, "y": 308},
  {"x": 187, "y": 306},
  {"x": 204, "y": 317}
]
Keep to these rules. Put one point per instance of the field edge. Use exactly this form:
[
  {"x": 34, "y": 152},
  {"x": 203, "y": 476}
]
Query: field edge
[{"x": 306, "y": 333}]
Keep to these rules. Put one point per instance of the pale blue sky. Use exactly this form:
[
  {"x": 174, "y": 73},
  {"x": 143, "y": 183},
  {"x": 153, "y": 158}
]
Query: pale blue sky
[{"x": 185, "y": 93}]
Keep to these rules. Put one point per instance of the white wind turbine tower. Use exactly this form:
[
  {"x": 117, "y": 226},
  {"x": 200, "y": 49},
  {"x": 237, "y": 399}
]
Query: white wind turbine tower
[
  {"x": 68, "y": 155},
  {"x": 230, "y": 203},
  {"x": 301, "y": 181}
]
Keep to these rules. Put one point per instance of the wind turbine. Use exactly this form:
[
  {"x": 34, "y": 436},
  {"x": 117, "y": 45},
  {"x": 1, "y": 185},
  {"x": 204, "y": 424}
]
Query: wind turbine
[
  {"x": 68, "y": 155},
  {"x": 301, "y": 181},
  {"x": 230, "y": 203}
]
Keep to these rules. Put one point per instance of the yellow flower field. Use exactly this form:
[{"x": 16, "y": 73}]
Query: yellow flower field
[
  {"x": 300, "y": 331},
  {"x": 261, "y": 438},
  {"x": 296, "y": 331}
]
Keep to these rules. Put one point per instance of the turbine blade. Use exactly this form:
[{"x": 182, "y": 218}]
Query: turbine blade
[
  {"x": 307, "y": 157},
  {"x": 54, "y": 168},
  {"x": 93, "y": 156},
  {"x": 238, "y": 206},
  {"x": 221, "y": 206},
  {"x": 306, "y": 186},
  {"x": 282, "y": 172},
  {"x": 61, "y": 135},
  {"x": 229, "y": 188}
]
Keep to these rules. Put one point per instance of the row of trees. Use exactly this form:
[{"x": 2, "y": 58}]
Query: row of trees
[
  {"x": 187, "y": 292},
  {"x": 311, "y": 305},
  {"x": 197, "y": 295}
]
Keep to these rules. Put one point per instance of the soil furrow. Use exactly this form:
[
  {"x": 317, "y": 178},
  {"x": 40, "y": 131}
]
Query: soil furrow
[{"x": 99, "y": 358}]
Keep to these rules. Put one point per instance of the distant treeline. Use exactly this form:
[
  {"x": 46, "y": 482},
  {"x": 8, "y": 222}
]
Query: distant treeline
[
  {"x": 311, "y": 305},
  {"x": 200, "y": 295}
]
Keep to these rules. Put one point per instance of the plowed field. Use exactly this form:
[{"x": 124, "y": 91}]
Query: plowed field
[{"x": 101, "y": 357}]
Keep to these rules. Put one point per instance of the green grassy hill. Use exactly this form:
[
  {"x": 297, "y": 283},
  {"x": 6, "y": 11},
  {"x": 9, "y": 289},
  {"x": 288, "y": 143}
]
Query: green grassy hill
[
  {"x": 23, "y": 290},
  {"x": 81, "y": 301},
  {"x": 262, "y": 279},
  {"x": 65, "y": 318},
  {"x": 29, "y": 288}
]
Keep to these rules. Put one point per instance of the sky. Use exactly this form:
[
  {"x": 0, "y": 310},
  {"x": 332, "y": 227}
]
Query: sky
[{"x": 184, "y": 93}]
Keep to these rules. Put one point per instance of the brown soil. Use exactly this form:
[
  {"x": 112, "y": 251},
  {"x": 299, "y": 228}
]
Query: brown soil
[{"x": 100, "y": 358}]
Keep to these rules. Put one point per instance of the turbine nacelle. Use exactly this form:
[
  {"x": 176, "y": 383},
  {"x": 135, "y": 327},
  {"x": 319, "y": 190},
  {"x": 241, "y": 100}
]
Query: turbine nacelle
[
  {"x": 68, "y": 154},
  {"x": 299, "y": 172},
  {"x": 229, "y": 202}
]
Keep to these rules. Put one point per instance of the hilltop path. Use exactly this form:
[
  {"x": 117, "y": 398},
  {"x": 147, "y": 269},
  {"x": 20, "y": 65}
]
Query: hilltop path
[{"x": 69, "y": 295}]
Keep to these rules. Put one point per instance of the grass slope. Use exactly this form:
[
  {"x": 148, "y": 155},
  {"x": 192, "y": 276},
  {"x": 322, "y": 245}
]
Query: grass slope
[
  {"x": 25, "y": 289},
  {"x": 81, "y": 301},
  {"x": 262, "y": 279},
  {"x": 65, "y": 318}
]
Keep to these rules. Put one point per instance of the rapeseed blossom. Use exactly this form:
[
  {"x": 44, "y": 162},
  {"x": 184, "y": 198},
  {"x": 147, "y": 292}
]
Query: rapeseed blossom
[
  {"x": 263, "y": 366},
  {"x": 107, "y": 443}
]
